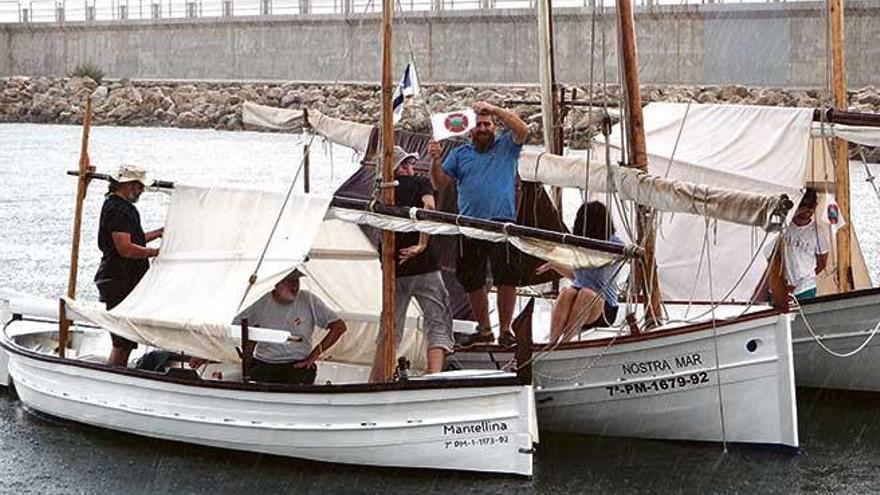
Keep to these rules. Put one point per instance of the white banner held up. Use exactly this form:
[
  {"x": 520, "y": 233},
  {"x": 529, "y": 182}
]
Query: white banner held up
[{"x": 447, "y": 125}]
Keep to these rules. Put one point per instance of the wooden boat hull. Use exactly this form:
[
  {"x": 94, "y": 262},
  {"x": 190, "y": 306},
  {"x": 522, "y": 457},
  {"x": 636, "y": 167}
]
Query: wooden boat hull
[
  {"x": 458, "y": 425},
  {"x": 665, "y": 385},
  {"x": 843, "y": 323}
]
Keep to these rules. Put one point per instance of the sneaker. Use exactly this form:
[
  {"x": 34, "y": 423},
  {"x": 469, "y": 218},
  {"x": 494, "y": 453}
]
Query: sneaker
[
  {"x": 507, "y": 339},
  {"x": 480, "y": 337}
]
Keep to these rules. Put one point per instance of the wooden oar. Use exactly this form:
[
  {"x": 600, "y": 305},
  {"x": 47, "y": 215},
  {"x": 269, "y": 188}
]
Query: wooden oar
[{"x": 81, "y": 187}]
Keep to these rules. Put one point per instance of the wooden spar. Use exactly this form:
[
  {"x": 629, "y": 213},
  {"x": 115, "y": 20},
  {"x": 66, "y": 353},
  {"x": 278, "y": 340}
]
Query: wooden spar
[
  {"x": 838, "y": 81},
  {"x": 81, "y": 187},
  {"x": 451, "y": 219},
  {"x": 646, "y": 278},
  {"x": 550, "y": 115},
  {"x": 485, "y": 225},
  {"x": 306, "y": 159},
  {"x": 388, "y": 351},
  {"x": 246, "y": 350}
]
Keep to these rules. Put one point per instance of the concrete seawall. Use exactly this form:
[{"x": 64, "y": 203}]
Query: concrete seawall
[{"x": 775, "y": 44}]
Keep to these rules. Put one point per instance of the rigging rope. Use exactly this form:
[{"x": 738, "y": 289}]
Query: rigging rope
[
  {"x": 822, "y": 345},
  {"x": 715, "y": 342}
]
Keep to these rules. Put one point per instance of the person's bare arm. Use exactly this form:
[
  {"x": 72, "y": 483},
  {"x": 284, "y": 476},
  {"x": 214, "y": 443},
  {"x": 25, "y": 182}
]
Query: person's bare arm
[
  {"x": 409, "y": 252},
  {"x": 821, "y": 261},
  {"x": 510, "y": 120},
  {"x": 439, "y": 178},
  {"x": 556, "y": 267},
  {"x": 337, "y": 328},
  {"x": 154, "y": 234},
  {"x": 127, "y": 249}
]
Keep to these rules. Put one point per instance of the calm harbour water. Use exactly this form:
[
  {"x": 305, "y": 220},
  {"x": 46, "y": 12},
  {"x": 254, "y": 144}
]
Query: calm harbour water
[{"x": 840, "y": 434}]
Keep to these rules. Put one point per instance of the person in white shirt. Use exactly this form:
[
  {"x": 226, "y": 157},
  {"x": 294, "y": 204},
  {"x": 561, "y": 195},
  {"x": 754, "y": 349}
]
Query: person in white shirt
[{"x": 806, "y": 248}]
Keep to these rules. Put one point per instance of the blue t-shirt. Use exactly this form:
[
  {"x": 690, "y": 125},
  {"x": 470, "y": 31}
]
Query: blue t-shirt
[
  {"x": 486, "y": 181},
  {"x": 600, "y": 279}
]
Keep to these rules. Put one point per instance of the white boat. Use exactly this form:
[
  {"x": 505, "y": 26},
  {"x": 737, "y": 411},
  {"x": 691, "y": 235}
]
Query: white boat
[
  {"x": 755, "y": 393},
  {"x": 836, "y": 344},
  {"x": 466, "y": 420},
  {"x": 667, "y": 383}
]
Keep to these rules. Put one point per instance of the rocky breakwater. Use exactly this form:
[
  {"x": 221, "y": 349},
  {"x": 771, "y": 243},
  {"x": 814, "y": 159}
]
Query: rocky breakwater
[{"x": 217, "y": 105}]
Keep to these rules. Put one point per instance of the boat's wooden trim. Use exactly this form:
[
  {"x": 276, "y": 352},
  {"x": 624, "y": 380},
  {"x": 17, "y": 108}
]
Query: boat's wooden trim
[
  {"x": 872, "y": 291},
  {"x": 264, "y": 387},
  {"x": 629, "y": 339}
]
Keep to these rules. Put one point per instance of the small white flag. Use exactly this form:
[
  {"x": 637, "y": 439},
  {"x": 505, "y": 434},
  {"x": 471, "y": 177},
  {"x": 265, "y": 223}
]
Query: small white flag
[
  {"x": 447, "y": 125},
  {"x": 408, "y": 86},
  {"x": 833, "y": 215}
]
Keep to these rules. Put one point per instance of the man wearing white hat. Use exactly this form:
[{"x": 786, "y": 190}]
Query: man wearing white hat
[
  {"x": 123, "y": 244},
  {"x": 417, "y": 271}
]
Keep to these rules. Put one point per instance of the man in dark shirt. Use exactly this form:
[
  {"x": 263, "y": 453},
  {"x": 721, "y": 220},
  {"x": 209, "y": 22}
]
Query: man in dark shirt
[
  {"x": 123, "y": 242},
  {"x": 417, "y": 272}
]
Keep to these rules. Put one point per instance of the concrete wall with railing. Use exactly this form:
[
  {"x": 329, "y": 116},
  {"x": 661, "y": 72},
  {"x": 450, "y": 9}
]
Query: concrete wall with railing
[{"x": 767, "y": 44}]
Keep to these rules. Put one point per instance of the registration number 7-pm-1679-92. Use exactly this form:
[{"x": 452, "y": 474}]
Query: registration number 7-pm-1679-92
[{"x": 658, "y": 385}]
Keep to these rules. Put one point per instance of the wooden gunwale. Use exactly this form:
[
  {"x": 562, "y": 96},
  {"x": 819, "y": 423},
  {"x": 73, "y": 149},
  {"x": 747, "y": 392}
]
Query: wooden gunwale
[
  {"x": 629, "y": 339},
  {"x": 512, "y": 381}
]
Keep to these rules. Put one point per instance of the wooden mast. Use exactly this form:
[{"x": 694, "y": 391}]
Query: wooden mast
[
  {"x": 646, "y": 279},
  {"x": 838, "y": 81},
  {"x": 388, "y": 352},
  {"x": 81, "y": 187},
  {"x": 550, "y": 113}
]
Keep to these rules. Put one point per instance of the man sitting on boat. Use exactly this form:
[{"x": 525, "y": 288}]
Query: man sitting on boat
[
  {"x": 417, "y": 271},
  {"x": 592, "y": 299},
  {"x": 806, "y": 248},
  {"x": 485, "y": 172},
  {"x": 299, "y": 312},
  {"x": 123, "y": 245}
]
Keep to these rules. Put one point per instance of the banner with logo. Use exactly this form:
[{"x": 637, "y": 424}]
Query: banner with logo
[{"x": 447, "y": 125}]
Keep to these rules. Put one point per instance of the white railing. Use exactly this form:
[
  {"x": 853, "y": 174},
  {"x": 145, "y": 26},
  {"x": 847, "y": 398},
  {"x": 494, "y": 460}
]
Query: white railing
[{"x": 14, "y": 11}]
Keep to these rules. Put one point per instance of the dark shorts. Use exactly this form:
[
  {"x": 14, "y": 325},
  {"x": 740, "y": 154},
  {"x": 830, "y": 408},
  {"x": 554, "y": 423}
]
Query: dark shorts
[
  {"x": 262, "y": 371},
  {"x": 112, "y": 293},
  {"x": 609, "y": 314},
  {"x": 473, "y": 254}
]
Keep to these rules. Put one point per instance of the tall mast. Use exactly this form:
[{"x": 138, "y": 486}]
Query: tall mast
[
  {"x": 81, "y": 187},
  {"x": 646, "y": 276},
  {"x": 838, "y": 80},
  {"x": 388, "y": 351},
  {"x": 549, "y": 91}
]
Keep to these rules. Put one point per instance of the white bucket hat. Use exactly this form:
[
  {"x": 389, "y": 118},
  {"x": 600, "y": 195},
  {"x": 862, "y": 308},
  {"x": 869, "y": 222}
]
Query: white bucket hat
[
  {"x": 400, "y": 155},
  {"x": 131, "y": 173}
]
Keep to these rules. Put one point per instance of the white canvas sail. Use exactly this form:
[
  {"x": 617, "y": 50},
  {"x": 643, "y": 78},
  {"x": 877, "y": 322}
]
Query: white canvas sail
[
  {"x": 753, "y": 149},
  {"x": 213, "y": 239}
]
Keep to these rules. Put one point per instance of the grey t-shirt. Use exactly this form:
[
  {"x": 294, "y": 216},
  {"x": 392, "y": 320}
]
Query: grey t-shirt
[{"x": 298, "y": 317}]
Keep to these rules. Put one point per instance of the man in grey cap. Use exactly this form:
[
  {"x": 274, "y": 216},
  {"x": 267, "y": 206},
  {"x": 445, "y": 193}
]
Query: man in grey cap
[
  {"x": 417, "y": 272},
  {"x": 123, "y": 244},
  {"x": 299, "y": 312}
]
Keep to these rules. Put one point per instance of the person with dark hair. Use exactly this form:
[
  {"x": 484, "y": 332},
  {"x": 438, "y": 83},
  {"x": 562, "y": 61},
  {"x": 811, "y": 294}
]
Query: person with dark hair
[
  {"x": 123, "y": 244},
  {"x": 485, "y": 173},
  {"x": 417, "y": 271},
  {"x": 806, "y": 248},
  {"x": 592, "y": 298}
]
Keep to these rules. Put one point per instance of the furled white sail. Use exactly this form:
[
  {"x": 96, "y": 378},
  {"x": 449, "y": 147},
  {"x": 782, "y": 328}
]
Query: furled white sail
[
  {"x": 868, "y": 136},
  {"x": 271, "y": 117},
  {"x": 668, "y": 195},
  {"x": 573, "y": 256}
]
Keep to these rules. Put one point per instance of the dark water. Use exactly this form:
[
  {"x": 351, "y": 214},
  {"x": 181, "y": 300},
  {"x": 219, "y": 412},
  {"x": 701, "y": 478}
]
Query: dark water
[{"x": 840, "y": 436}]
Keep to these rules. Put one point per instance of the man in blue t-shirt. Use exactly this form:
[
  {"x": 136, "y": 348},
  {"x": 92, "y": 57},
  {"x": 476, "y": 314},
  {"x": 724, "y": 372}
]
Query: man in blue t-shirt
[{"x": 485, "y": 172}]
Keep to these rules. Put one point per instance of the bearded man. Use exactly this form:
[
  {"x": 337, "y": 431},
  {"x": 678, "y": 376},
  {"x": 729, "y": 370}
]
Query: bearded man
[
  {"x": 123, "y": 245},
  {"x": 485, "y": 173}
]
